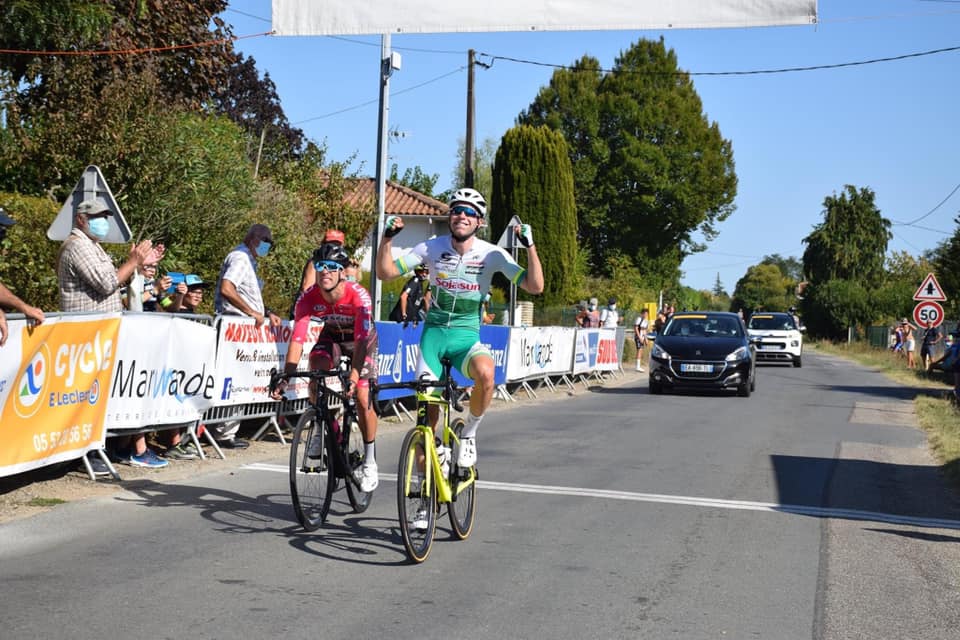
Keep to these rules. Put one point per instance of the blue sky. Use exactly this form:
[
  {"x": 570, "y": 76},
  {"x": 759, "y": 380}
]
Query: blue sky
[{"x": 797, "y": 137}]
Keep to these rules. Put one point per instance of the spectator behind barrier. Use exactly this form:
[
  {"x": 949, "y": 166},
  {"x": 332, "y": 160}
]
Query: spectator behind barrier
[
  {"x": 238, "y": 293},
  {"x": 89, "y": 282},
  {"x": 188, "y": 295}
]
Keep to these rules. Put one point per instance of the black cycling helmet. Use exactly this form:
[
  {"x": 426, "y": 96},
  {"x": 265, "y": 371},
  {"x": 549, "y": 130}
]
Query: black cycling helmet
[{"x": 331, "y": 252}]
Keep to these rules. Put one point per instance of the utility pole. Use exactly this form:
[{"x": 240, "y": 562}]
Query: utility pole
[
  {"x": 389, "y": 62},
  {"x": 468, "y": 177}
]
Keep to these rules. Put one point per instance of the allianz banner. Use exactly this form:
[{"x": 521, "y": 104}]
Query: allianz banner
[
  {"x": 539, "y": 351},
  {"x": 164, "y": 371},
  {"x": 245, "y": 355},
  {"x": 54, "y": 379},
  {"x": 399, "y": 349}
]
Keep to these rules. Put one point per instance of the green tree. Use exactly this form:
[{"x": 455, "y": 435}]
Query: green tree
[
  {"x": 789, "y": 266},
  {"x": 483, "y": 159},
  {"x": 851, "y": 242},
  {"x": 894, "y": 298},
  {"x": 831, "y": 307},
  {"x": 763, "y": 287},
  {"x": 570, "y": 104},
  {"x": 655, "y": 169},
  {"x": 416, "y": 179},
  {"x": 26, "y": 255},
  {"x": 945, "y": 260},
  {"x": 718, "y": 289},
  {"x": 533, "y": 179}
]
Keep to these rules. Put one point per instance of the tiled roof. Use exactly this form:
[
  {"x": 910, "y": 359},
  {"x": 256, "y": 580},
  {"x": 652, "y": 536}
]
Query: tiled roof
[{"x": 400, "y": 200}]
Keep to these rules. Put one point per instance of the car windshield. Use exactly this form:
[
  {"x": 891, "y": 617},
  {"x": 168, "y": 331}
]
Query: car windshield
[
  {"x": 701, "y": 326},
  {"x": 769, "y": 322}
]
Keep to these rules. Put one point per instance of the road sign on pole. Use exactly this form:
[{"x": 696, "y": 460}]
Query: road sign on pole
[
  {"x": 930, "y": 290},
  {"x": 92, "y": 184},
  {"x": 928, "y": 311}
]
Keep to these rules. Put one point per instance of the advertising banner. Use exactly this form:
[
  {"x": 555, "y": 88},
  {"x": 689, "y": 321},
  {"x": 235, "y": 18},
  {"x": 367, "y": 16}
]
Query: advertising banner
[
  {"x": 399, "y": 350},
  {"x": 585, "y": 350},
  {"x": 354, "y": 17},
  {"x": 245, "y": 355},
  {"x": 164, "y": 372},
  {"x": 539, "y": 351},
  {"x": 608, "y": 355},
  {"x": 54, "y": 379}
]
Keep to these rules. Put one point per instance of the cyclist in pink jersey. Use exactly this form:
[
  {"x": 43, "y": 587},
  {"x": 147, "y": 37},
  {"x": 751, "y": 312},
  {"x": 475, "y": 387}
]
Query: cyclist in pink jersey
[{"x": 346, "y": 313}]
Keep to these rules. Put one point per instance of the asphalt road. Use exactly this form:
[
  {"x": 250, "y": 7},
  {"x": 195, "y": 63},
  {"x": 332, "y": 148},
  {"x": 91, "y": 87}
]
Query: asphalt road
[{"x": 809, "y": 510}]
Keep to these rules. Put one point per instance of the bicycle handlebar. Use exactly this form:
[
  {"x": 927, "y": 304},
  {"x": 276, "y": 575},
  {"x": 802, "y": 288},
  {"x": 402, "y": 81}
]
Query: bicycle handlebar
[
  {"x": 342, "y": 372},
  {"x": 423, "y": 384}
]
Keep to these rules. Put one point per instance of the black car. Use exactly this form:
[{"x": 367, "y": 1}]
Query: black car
[{"x": 703, "y": 350}]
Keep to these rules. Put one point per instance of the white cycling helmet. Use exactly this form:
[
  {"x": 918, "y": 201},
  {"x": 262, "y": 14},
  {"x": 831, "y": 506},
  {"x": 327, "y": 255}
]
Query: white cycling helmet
[{"x": 471, "y": 197}]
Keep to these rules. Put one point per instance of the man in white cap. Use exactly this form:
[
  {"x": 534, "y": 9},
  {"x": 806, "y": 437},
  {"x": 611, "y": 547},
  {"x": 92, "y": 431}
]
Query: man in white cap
[
  {"x": 7, "y": 297},
  {"x": 88, "y": 279}
]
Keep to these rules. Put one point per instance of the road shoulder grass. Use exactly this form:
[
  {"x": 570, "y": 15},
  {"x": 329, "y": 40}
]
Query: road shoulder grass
[{"x": 937, "y": 413}]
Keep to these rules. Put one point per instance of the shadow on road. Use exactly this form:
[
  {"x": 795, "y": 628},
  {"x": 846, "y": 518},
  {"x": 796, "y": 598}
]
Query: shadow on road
[
  {"x": 865, "y": 487},
  {"x": 345, "y": 536}
]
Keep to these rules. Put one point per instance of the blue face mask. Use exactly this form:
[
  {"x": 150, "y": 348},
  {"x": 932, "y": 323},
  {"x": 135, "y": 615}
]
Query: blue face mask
[
  {"x": 99, "y": 227},
  {"x": 263, "y": 248}
]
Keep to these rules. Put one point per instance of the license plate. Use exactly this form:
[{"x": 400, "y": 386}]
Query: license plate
[
  {"x": 696, "y": 368},
  {"x": 767, "y": 346}
]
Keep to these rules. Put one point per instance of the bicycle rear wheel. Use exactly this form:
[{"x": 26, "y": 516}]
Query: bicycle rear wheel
[
  {"x": 416, "y": 496},
  {"x": 311, "y": 471},
  {"x": 463, "y": 508},
  {"x": 359, "y": 500}
]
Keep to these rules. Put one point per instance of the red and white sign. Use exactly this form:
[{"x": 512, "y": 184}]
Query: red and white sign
[
  {"x": 930, "y": 290},
  {"x": 928, "y": 311}
]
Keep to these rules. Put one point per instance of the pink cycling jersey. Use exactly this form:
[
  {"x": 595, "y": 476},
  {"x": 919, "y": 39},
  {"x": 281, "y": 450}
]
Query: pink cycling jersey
[{"x": 349, "y": 319}]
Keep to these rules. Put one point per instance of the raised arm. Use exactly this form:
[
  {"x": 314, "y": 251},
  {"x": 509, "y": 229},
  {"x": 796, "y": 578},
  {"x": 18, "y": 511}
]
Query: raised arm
[
  {"x": 386, "y": 268},
  {"x": 533, "y": 280}
]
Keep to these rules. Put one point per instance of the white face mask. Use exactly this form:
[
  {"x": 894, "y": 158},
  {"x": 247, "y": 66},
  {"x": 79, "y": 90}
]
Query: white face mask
[{"x": 613, "y": 306}]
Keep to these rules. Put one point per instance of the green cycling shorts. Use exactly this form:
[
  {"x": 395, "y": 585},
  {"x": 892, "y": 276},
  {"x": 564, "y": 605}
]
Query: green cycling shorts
[{"x": 460, "y": 345}]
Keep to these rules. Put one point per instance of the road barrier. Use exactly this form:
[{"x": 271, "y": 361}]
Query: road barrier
[{"x": 71, "y": 382}]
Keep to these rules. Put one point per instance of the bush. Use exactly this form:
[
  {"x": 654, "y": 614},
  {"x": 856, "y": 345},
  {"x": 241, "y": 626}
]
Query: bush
[{"x": 27, "y": 257}]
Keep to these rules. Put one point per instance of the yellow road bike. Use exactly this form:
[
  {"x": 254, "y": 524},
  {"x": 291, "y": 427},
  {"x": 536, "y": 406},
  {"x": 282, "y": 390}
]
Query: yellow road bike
[{"x": 425, "y": 482}]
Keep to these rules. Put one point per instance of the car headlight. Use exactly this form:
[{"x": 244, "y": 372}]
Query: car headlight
[
  {"x": 740, "y": 354},
  {"x": 794, "y": 343},
  {"x": 659, "y": 353}
]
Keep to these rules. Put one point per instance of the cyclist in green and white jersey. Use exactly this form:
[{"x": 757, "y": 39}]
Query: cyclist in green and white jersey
[{"x": 461, "y": 269}]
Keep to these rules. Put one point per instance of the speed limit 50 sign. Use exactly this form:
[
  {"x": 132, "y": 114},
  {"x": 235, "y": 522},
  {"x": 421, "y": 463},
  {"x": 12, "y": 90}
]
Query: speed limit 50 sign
[{"x": 928, "y": 311}]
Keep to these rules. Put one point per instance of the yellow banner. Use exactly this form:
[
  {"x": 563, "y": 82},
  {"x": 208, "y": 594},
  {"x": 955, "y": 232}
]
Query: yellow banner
[{"x": 55, "y": 406}]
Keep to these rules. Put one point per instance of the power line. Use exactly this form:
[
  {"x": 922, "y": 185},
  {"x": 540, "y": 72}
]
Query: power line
[
  {"x": 118, "y": 52},
  {"x": 369, "y": 102},
  {"x": 927, "y": 214},
  {"x": 818, "y": 67}
]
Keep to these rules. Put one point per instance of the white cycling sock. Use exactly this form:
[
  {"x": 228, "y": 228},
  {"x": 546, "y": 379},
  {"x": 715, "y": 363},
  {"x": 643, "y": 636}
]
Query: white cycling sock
[
  {"x": 369, "y": 452},
  {"x": 470, "y": 428}
]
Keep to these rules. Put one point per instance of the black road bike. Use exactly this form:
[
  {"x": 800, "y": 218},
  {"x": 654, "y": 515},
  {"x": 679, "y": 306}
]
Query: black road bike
[{"x": 326, "y": 451}]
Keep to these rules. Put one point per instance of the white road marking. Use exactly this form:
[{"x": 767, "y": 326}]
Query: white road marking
[{"x": 743, "y": 505}]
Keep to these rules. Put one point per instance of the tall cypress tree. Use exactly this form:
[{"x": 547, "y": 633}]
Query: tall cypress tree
[{"x": 533, "y": 179}]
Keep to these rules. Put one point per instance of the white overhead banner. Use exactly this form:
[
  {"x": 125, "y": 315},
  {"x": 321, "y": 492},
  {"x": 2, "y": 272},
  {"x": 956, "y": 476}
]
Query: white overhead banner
[{"x": 354, "y": 17}]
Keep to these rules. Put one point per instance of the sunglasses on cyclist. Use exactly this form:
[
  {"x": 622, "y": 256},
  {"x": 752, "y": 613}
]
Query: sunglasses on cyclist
[
  {"x": 328, "y": 265},
  {"x": 470, "y": 212}
]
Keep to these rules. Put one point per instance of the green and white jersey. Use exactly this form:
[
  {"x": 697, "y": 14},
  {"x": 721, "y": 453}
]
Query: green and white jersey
[{"x": 459, "y": 282}]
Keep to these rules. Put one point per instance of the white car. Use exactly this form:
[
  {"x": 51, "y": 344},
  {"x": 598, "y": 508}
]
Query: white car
[{"x": 777, "y": 336}]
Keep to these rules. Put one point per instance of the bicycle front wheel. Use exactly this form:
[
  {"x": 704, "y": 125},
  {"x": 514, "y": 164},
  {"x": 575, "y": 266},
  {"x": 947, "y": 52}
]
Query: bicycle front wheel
[
  {"x": 463, "y": 483},
  {"x": 359, "y": 500},
  {"x": 416, "y": 496},
  {"x": 311, "y": 471}
]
